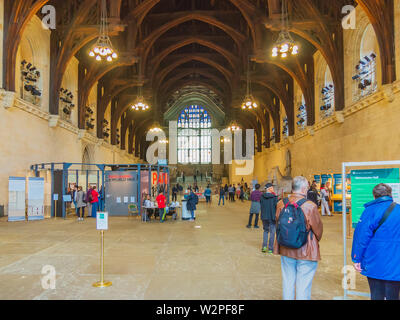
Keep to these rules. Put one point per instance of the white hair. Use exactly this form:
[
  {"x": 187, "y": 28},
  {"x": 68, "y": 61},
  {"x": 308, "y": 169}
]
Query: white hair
[{"x": 299, "y": 183}]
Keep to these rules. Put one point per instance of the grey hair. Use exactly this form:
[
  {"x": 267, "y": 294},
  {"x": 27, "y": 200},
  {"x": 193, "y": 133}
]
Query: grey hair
[{"x": 299, "y": 183}]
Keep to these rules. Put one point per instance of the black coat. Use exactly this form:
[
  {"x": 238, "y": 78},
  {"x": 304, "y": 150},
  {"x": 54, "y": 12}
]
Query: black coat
[
  {"x": 312, "y": 195},
  {"x": 268, "y": 207},
  {"x": 192, "y": 200}
]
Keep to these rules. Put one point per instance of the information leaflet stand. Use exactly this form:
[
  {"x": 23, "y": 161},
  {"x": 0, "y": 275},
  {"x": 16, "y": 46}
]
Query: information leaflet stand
[{"x": 102, "y": 224}]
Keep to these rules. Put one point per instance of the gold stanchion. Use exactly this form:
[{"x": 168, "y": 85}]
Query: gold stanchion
[
  {"x": 55, "y": 209},
  {"x": 102, "y": 283}
]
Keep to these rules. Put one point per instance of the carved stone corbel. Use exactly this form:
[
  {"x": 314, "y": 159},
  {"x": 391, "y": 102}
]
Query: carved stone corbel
[
  {"x": 339, "y": 116},
  {"x": 53, "y": 120},
  {"x": 7, "y": 98}
]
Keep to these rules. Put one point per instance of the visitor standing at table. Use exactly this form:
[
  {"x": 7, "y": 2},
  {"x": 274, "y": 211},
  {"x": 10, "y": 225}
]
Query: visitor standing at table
[
  {"x": 94, "y": 202},
  {"x": 161, "y": 200},
  {"x": 191, "y": 203}
]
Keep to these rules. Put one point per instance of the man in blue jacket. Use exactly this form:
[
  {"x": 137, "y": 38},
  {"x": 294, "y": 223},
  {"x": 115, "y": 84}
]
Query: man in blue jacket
[{"x": 376, "y": 245}]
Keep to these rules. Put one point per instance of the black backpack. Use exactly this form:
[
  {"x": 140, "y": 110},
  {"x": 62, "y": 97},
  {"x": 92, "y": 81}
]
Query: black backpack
[{"x": 291, "y": 229}]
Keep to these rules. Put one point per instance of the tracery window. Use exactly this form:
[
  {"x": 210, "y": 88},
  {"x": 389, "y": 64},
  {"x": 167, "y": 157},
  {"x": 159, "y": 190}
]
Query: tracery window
[{"x": 194, "y": 136}]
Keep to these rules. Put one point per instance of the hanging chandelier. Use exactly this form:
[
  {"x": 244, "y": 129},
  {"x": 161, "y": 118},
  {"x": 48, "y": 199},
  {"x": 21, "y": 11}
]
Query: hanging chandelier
[
  {"x": 285, "y": 44},
  {"x": 140, "y": 103},
  {"x": 103, "y": 48},
  {"x": 234, "y": 127},
  {"x": 249, "y": 101},
  {"x": 156, "y": 128}
]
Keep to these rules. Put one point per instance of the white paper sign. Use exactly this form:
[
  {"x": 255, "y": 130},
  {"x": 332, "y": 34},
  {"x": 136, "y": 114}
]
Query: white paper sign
[
  {"x": 395, "y": 191},
  {"x": 118, "y": 200},
  {"x": 126, "y": 199},
  {"x": 132, "y": 199},
  {"x": 102, "y": 220}
]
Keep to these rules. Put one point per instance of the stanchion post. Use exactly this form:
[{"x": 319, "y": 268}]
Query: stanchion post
[{"x": 102, "y": 224}]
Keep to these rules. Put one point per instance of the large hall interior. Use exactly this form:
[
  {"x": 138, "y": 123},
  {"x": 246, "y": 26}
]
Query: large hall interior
[{"x": 134, "y": 97}]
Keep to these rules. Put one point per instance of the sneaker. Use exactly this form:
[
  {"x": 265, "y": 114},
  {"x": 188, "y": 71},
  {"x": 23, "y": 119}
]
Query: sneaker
[
  {"x": 248, "y": 227},
  {"x": 256, "y": 227},
  {"x": 270, "y": 252},
  {"x": 264, "y": 250}
]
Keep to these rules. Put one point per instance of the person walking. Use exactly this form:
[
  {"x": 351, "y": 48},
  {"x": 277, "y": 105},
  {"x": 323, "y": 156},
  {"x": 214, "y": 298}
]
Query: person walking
[
  {"x": 325, "y": 201},
  {"x": 221, "y": 195},
  {"x": 161, "y": 202},
  {"x": 312, "y": 193},
  {"x": 375, "y": 252},
  {"x": 241, "y": 196},
  {"x": 80, "y": 204},
  {"x": 174, "y": 193},
  {"x": 94, "y": 202},
  {"x": 268, "y": 202},
  {"x": 231, "y": 191},
  {"x": 207, "y": 194},
  {"x": 226, "y": 189},
  {"x": 255, "y": 208},
  {"x": 299, "y": 264},
  {"x": 191, "y": 203}
]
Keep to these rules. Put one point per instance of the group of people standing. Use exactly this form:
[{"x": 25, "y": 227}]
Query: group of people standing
[
  {"x": 229, "y": 192},
  {"x": 375, "y": 251},
  {"x": 321, "y": 197},
  {"x": 82, "y": 199}
]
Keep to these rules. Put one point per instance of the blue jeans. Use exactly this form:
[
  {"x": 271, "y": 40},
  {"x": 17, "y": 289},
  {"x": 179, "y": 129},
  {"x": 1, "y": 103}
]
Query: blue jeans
[
  {"x": 297, "y": 277},
  {"x": 223, "y": 200},
  {"x": 269, "y": 227},
  {"x": 192, "y": 212},
  {"x": 208, "y": 199},
  {"x": 251, "y": 219},
  {"x": 94, "y": 209}
]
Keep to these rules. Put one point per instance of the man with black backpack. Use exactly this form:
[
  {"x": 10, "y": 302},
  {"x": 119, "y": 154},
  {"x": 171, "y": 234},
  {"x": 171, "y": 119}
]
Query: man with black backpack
[{"x": 299, "y": 230}]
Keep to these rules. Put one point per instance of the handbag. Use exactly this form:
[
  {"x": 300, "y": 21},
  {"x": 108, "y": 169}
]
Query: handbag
[{"x": 387, "y": 214}]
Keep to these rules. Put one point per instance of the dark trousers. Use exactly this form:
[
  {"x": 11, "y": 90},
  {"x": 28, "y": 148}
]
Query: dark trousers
[
  {"x": 269, "y": 230},
  {"x": 251, "y": 219},
  {"x": 381, "y": 289},
  {"x": 173, "y": 196},
  {"x": 231, "y": 197},
  {"x": 78, "y": 211}
]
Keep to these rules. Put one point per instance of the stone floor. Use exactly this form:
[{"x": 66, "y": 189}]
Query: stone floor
[{"x": 214, "y": 258}]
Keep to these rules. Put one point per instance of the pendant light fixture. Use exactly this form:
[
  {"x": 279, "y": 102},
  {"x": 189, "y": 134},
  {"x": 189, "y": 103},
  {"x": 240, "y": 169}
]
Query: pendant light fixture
[
  {"x": 285, "y": 44},
  {"x": 103, "y": 49},
  {"x": 234, "y": 127},
  {"x": 249, "y": 102},
  {"x": 140, "y": 103},
  {"x": 156, "y": 128}
]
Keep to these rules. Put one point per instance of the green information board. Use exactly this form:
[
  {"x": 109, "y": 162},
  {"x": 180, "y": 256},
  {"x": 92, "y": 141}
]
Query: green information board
[{"x": 362, "y": 184}]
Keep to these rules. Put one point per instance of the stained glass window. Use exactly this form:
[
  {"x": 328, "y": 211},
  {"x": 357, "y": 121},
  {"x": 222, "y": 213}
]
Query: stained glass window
[{"x": 194, "y": 136}]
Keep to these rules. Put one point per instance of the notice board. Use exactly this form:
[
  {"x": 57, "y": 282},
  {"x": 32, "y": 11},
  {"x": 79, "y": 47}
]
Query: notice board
[
  {"x": 35, "y": 198},
  {"x": 121, "y": 190},
  {"x": 16, "y": 198},
  {"x": 362, "y": 184}
]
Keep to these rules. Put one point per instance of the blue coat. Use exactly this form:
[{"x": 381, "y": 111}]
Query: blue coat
[
  {"x": 378, "y": 254},
  {"x": 192, "y": 200}
]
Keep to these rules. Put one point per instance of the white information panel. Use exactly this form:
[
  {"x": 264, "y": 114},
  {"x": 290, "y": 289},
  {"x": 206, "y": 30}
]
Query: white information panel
[
  {"x": 102, "y": 220},
  {"x": 35, "y": 198},
  {"x": 16, "y": 199}
]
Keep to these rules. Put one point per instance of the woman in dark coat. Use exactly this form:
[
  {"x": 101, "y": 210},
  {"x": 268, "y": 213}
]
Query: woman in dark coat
[{"x": 192, "y": 200}]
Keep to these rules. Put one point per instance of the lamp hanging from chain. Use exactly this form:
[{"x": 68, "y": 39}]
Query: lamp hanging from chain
[
  {"x": 103, "y": 49},
  {"x": 234, "y": 127},
  {"x": 156, "y": 127},
  {"x": 285, "y": 44},
  {"x": 140, "y": 103},
  {"x": 249, "y": 101}
]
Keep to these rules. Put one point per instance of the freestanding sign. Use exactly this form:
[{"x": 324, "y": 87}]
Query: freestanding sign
[
  {"x": 16, "y": 199},
  {"x": 35, "y": 198},
  {"x": 102, "y": 224},
  {"x": 102, "y": 220},
  {"x": 362, "y": 184}
]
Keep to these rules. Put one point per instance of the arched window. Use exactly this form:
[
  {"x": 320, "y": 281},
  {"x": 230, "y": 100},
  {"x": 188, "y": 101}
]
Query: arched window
[
  {"x": 302, "y": 115},
  {"x": 365, "y": 71},
  {"x": 327, "y": 96},
  {"x": 194, "y": 136}
]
